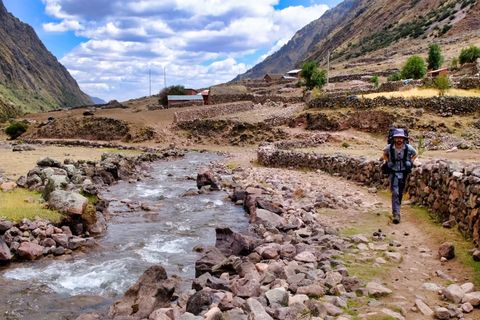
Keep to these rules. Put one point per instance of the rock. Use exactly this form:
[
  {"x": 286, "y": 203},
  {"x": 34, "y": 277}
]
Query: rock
[
  {"x": 305, "y": 256},
  {"x": 424, "y": 309},
  {"x": 468, "y": 287},
  {"x": 188, "y": 316},
  {"x": 199, "y": 301},
  {"x": 5, "y": 225},
  {"x": 61, "y": 239},
  {"x": 99, "y": 226},
  {"x": 268, "y": 250},
  {"x": 152, "y": 291},
  {"x": 473, "y": 298},
  {"x": 447, "y": 250},
  {"x": 332, "y": 310},
  {"x": 213, "y": 314},
  {"x": 359, "y": 238},
  {"x": 476, "y": 255},
  {"x": 277, "y": 296},
  {"x": 256, "y": 311},
  {"x": 162, "y": 314},
  {"x": 211, "y": 258},
  {"x": 467, "y": 307},
  {"x": 246, "y": 287},
  {"x": 268, "y": 218},
  {"x": 298, "y": 298},
  {"x": 48, "y": 162},
  {"x": 314, "y": 290},
  {"x": 22, "y": 147},
  {"x": 233, "y": 243},
  {"x": 270, "y": 206},
  {"x": 8, "y": 186},
  {"x": 393, "y": 314},
  {"x": 234, "y": 314},
  {"x": 30, "y": 250},
  {"x": 332, "y": 278},
  {"x": 453, "y": 293},
  {"x": 431, "y": 287},
  {"x": 377, "y": 290},
  {"x": 394, "y": 256},
  {"x": 205, "y": 177},
  {"x": 442, "y": 313},
  {"x": 68, "y": 202},
  {"x": 5, "y": 254},
  {"x": 89, "y": 316}
]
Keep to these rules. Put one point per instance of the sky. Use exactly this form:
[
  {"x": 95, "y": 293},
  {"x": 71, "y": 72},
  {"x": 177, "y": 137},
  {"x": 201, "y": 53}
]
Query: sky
[{"x": 111, "y": 46}]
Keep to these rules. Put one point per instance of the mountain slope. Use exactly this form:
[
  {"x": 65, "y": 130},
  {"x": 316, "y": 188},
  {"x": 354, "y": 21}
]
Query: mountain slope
[
  {"x": 31, "y": 78},
  {"x": 374, "y": 31}
]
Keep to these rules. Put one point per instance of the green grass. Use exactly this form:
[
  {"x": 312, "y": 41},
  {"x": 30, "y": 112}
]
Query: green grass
[
  {"x": 462, "y": 245},
  {"x": 21, "y": 203}
]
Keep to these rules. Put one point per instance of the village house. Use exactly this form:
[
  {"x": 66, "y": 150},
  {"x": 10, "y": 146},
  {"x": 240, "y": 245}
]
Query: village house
[
  {"x": 270, "y": 77},
  {"x": 293, "y": 74},
  {"x": 438, "y": 72},
  {"x": 175, "y": 101}
]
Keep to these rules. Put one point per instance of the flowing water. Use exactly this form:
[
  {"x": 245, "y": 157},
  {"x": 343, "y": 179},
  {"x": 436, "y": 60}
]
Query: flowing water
[{"x": 164, "y": 232}]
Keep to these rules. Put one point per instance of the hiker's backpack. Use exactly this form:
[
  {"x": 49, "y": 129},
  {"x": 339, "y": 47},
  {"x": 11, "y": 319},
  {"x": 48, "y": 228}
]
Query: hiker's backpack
[{"x": 390, "y": 135}]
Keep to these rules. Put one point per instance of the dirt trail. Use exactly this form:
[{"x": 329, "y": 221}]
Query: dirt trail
[{"x": 367, "y": 211}]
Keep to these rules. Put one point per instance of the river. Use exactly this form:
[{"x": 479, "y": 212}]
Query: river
[{"x": 163, "y": 231}]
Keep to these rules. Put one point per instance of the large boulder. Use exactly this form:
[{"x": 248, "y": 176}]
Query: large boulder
[
  {"x": 268, "y": 218},
  {"x": 152, "y": 291},
  {"x": 71, "y": 203},
  {"x": 205, "y": 177},
  {"x": 48, "y": 162},
  {"x": 210, "y": 259},
  {"x": 30, "y": 250},
  {"x": 199, "y": 301}
]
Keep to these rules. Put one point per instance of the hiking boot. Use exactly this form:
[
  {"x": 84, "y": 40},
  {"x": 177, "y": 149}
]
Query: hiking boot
[{"x": 396, "y": 218}]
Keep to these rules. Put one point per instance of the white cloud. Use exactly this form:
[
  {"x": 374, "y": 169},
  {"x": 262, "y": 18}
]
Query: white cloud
[{"x": 201, "y": 42}]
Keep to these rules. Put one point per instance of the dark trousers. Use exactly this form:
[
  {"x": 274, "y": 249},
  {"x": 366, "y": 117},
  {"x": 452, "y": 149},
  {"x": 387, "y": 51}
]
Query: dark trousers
[{"x": 397, "y": 187}]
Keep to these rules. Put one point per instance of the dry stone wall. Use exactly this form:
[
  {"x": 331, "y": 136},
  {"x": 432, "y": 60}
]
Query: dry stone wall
[
  {"x": 213, "y": 111},
  {"x": 469, "y": 83},
  {"x": 449, "y": 190},
  {"x": 445, "y": 106}
]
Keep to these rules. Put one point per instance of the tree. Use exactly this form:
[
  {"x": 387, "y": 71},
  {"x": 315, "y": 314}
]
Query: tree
[
  {"x": 435, "y": 58},
  {"x": 172, "y": 90},
  {"x": 414, "y": 68},
  {"x": 16, "y": 129},
  {"x": 313, "y": 76},
  {"x": 469, "y": 55},
  {"x": 396, "y": 76},
  {"x": 442, "y": 83},
  {"x": 376, "y": 81}
]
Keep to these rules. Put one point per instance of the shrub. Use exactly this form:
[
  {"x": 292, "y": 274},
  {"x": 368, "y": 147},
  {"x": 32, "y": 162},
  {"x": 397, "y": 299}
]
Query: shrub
[
  {"x": 442, "y": 83},
  {"x": 172, "y": 90},
  {"x": 454, "y": 64},
  {"x": 376, "y": 81},
  {"x": 313, "y": 76},
  {"x": 469, "y": 55},
  {"x": 16, "y": 129},
  {"x": 414, "y": 68},
  {"x": 395, "y": 76},
  {"x": 435, "y": 58}
]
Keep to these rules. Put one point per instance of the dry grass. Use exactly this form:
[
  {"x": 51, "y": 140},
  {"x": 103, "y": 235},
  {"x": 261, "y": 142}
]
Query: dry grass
[
  {"x": 20, "y": 203},
  {"x": 424, "y": 93}
]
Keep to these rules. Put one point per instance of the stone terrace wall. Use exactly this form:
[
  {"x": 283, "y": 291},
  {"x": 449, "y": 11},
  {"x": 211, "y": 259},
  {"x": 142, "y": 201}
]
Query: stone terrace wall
[
  {"x": 229, "y": 98},
  {"x": 469, "y": 83},
  {"x": 444, "y": 106},
  {"x": 213, "y": 111},
  {"x": 450, "y": 191}
]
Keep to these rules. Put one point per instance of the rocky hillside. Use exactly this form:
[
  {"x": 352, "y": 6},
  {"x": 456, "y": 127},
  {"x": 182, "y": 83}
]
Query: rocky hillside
[
  {"x": 374, "y": 31},
  {"x": 31, "y": 78}
]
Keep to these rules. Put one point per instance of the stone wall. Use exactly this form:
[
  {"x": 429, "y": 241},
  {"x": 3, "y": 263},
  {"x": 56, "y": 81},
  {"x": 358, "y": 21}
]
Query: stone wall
[
  {"x": 445, "y": 106},
  {"x": 213, "y": 111},
  {"x": 229, "y": 98},
  {"x": 450, "y": 191},
  {"x": 469, "y": 83}
]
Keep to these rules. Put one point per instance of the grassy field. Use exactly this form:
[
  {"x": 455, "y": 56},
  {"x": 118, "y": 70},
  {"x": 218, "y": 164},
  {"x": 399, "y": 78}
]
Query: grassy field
[
  {"x": 21, "y": 203},
  {"x": 423, "y": 93}
]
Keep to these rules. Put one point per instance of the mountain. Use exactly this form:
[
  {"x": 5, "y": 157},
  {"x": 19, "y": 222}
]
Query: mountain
[
  {"x": 98, "y": 100},
  {"x": 376, "y": 35},
  {"x": 31, "y": 78}
]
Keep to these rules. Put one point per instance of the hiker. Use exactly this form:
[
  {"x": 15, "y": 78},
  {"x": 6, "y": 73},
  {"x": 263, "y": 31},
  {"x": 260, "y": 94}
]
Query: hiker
[{"x": 399, "y": 156}]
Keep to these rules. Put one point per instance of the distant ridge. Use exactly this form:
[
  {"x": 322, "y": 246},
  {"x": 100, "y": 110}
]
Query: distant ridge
[{"x": 31, "y": 78}]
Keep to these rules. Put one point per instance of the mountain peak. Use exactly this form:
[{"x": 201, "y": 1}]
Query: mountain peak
[{"x": 3, "y": 10}]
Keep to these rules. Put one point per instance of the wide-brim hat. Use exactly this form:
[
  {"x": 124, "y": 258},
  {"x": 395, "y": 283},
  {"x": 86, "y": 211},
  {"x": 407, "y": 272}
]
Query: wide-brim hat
[{"x": 399, "y": 133}]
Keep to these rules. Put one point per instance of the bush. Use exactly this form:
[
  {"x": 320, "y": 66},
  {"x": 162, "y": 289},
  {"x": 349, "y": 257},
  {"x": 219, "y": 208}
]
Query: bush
[
  {"x": 16, "y": 129},
  {"x": 469, "y": 55},
  {"x": 172, "y": 90},
  {"x": 442, "y": 83},
  {"x": 414, "y": 68},
  {"x": 435, "y": 58},
  {"x": 395, "y": 76},
  {"x": 376, "y": 81},
  {"x": 454, "y": 64},
  {"x": 313, "y": 76}
]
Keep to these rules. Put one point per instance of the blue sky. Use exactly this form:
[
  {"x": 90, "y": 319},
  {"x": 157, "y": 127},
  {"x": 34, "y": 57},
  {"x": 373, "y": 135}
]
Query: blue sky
[{"x": 109, "y": 45}]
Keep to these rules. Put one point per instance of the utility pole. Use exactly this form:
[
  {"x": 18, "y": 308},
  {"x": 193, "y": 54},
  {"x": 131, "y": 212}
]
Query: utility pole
[
  {"x": 164, "y": 77},
  {"x": 328, "y": 65},
  {"x": 149, "y": 82}
]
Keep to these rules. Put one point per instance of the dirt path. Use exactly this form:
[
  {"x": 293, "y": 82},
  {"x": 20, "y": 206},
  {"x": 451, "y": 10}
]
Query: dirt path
[{"x": 405, "y": 260}]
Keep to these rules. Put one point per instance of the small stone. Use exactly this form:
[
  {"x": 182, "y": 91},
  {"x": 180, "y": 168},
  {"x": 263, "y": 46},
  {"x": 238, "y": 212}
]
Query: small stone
[
  {"x": 393, "y": 314},
  {"x": 431, "y": 287},
  {"x": 467, "y": 307},
  {"x": 468, "y": 287},
  {"x": 394, "y": 256},
  {"x": 305, "y": 256},
  {"x": 473, "y": 298},
  {"x": 447, "y": 251},
  {"x": 359, "y": 238},
  {"x": 377, "y": 290},
  {"x": 442, "y": 313},
  {"x": 476, "y": 255},
  {"x": 423, "y": 307},
  {"x": 277, "y": 296},
  {"x": 453, "y": 293}
]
